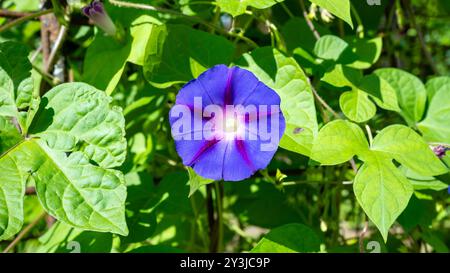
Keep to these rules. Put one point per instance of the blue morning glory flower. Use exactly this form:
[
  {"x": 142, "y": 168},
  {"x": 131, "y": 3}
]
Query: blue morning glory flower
[{"x": 226, "y": 124}]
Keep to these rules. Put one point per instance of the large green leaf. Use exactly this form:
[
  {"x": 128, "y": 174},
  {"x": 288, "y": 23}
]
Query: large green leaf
[
  {"x": 238, "y": 7},
  {"x": 340, "y": 8},
  {"x": 289, "y": 238},
  {"x": 76, "y": 115},
  {"x": 285, "y": 76},
  {"x": 168, "y": 63},
  {"x": 436, "y": 125},
  {"x": 382, "y": 191},
  {"x": 77, "y": 192},
  {"x": 12, "y": 190},
  {"x": 106, "y": 57},
  {"x": 338, "y": 141},
  {"x": 70, "y": 189},
  {"x": 105, "y": 61},
  {"x": 76, "y": 137},
  {"x": 63, "y": 238},
  {"x": 410, "y": 91},
  {"x": 409, "y": 149},
  {"x": 357, "y": 106}
]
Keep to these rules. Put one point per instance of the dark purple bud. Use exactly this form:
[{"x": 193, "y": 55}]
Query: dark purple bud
[
  {"x": 97, "y": 13},
  {"x": 440, "y": 151},
  {"x": 298, "y": 130}
]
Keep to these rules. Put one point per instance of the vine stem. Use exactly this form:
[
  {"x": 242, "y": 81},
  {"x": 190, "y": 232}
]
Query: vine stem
[
  {"x": 13, "y": 14},
  {"x": 214, "y": 203},
  {"x": 360, "y": 28},
  {"x": 362, "y": 235},
  {"x": 292, "y": 183},
  {"x": 24, "y": 18},
  {"x": 219, "y": 204},
  {"x": 176, "y": 13},
  {"x": 23, "y": 233},
  {"x": 308, "y": 21},
  {"x": 56, "y": 47},
  {"x": 422, "y": 42},
  {"x": 322, "y": 101}
]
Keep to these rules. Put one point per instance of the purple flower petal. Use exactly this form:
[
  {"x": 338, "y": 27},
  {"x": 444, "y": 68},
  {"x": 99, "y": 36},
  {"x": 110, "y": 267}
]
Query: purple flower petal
[
  {"x": 241, "y": 142},
  {"x": 215, "y": 82}
]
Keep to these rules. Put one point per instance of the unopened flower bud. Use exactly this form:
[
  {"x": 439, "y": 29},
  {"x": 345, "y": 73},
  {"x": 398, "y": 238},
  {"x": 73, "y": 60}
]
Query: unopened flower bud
[
  {"x": 440, "y": 151},
  {"x": 97, "y": 13},
  {"x": 325, "y": 15}
]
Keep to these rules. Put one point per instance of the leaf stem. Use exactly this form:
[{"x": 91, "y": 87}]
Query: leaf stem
[
  {"x": 24, "y": 18},
  {"x": 46, "y": 76},
  {"x": 24, "y": 232},
  {"x": 286, "y": 9},
  {"x": 369, "y": 134}
]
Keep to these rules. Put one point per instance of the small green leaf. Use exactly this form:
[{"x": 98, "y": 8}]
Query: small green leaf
[
  {"x": 238, "y": 7},
  {"x": 330, "y": 47},
  {"x": 343, "y": 77},
  {"x": 167, "y": 63},
  {"x": 285, "y": 76},
  {"x": 411, "y": 92},
  {"x": 357, "y": 106},
  {"x": 381, "y": 92},
  {"x": 436, "y": 125},
  {"x": 337, "y": 142},
  {"x": 18, "y": 98},
  {"x": 289, "y": 238},
  {"x": 141, "y": 31},
  {"x": 422, "y": 182},
  {"x": 9, "y": 136},
  {"x": 340, "y": 8},
  {"x": 409, "y": 149},
  {"x": 368, "y": 51},
  {"x": 382, "y": 191},
  {"x": 196, "y": 181},
  {"x": 292, "y": 29},
  {"x": 437, "y": 84}
]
